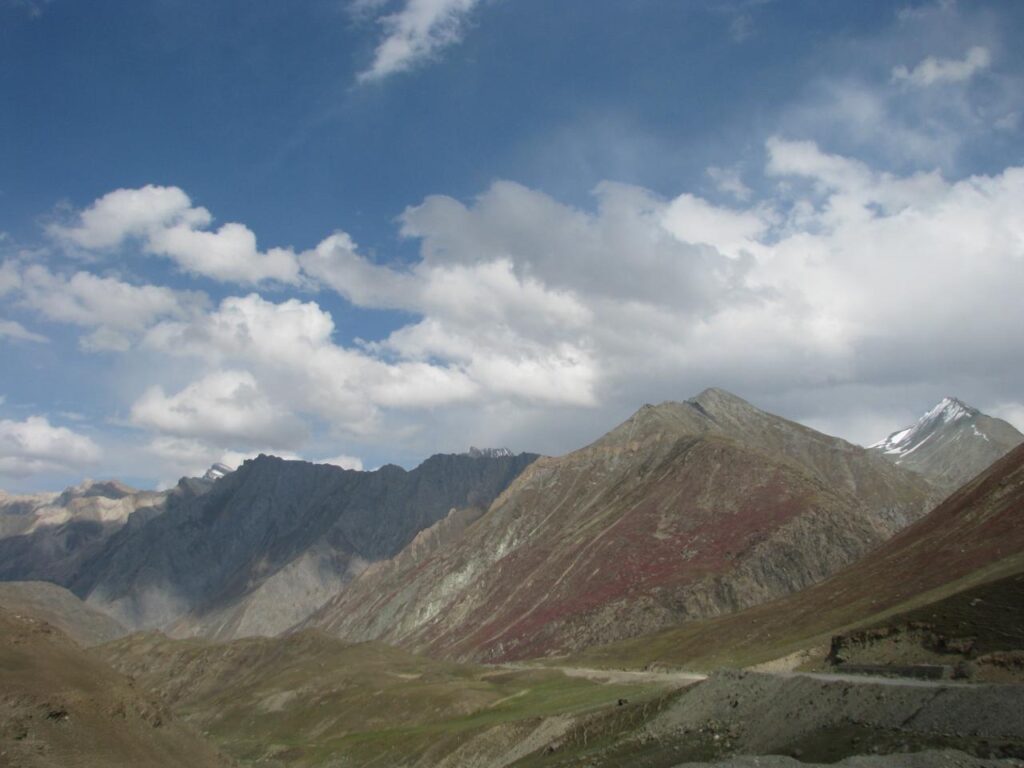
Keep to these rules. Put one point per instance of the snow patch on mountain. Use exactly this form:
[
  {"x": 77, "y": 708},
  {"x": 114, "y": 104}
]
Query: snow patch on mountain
[{"x": 909, "y": 439}]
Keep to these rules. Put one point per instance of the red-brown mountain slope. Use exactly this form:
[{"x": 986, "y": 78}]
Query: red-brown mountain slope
[
  {"x": 976, "y": 536},
  {"x": 686, "y": 510}
]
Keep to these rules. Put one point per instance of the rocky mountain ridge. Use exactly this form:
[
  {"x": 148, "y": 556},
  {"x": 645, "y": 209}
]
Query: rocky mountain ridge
[
  {"x": 274, "y": 539},
  {"x": 48, "y": 536},
  {"x": 950, "y": 444},
  {"x": 685, "y": 510}
]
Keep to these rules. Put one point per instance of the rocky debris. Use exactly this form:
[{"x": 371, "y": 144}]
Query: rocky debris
[
  {"x": 830, "y": 719},
  {"x": 978, "y": 631},
  {"x": 926, "y": 759}
]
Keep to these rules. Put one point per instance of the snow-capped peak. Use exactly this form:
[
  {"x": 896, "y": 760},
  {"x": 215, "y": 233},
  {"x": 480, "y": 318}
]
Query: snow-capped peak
[
  {"x": 950, "y": 409},
  {"x": 909, "y": 439},
  {"x": 217, "y": 471},
  {"x": 489, "y": 453}
]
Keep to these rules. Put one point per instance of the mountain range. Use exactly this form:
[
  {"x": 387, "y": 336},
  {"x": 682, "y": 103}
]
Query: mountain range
[
  {"x": 300, "y": 614},
  {"x": 684, "y": 511},
  {"x": 273, "y": 540}
]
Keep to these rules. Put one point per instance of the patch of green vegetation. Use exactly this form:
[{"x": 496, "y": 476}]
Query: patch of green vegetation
[
  {"x": 773, "y": 630},
  {"x": 311, "y": 700}
]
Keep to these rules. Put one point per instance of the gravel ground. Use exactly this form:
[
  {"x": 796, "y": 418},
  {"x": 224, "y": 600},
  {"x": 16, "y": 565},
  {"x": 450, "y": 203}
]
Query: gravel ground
[
  {"x": 826, "y": 720},
  {"x": 929, "y": 759}
]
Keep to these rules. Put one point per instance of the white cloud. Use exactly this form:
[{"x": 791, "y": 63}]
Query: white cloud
[
  {"x": 847, "y": 275},
  {"x": 10, "y": 329},
  {"x": 125, "y": 213},
  {"x": 415, "y": 33},
  {"x": 528, "y": 314},
  {"x": 694, "y": 220},
  {"x": 729, "y": 181},
  {"x": 934, "y": 70},
  {"x": 343, "y": 461},
  {"x": 165, "y": 223},
  {"x": 116, "y": 311},
  {"x": 187, "y": 457},
  {"x": 34, "y": 445},
  {"x": 288, "y": 346},
  {"x": 223, "y": 408}
]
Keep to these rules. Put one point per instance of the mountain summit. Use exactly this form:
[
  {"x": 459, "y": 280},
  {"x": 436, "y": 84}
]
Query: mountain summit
[
  {"x": 950, "y": 444},
  {"x": 685, "y": 510}
]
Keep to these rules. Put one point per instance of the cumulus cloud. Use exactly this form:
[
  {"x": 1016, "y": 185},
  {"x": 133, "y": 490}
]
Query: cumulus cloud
[
  {"x": 117, "y": 312},
  {"x": 343, "y": 461},
  {"x": 289, "y": 346},
  {"x": 188, "y": 457},
  {"x": 415, "y": 33},
  {"x": 165, "y": 223},
  {"x": 933, "y": 70},
  {"x": 845, "y": 277},
  {"x": 34, "y": 445},
  {"x": 223, "y": 408},
  {"x": 526, "y": 314}
]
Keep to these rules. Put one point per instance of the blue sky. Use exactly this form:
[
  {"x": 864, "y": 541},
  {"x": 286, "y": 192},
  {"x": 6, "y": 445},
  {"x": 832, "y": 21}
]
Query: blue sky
[{"x": 368, "y": 231}]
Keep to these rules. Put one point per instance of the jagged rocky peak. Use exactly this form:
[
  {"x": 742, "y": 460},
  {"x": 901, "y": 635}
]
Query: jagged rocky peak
[
  {"x": 217, "y": 471},
  {"x": 108, "y": 489},
  {"x": 950, "y": 444},
  {"x": 909, "y": 439},
  {"x": 489, "y": 453}
]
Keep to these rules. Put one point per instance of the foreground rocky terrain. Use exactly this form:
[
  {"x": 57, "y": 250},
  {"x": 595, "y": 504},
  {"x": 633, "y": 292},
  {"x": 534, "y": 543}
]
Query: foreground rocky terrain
[
  {"x": 60, "y": 706},
  {"x": 817, "y": 720},
  {"x": 687, "y": 510},
  {"x": 57, "y": 606}
]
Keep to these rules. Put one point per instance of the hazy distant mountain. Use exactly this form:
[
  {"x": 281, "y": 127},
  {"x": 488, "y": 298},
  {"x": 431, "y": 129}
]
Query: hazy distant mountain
[
  {"x": 47, "y": 536},
  {"x": 273, "y": 540},
  {"x": 950, "y": 444},
  {"x": 686, "y": 510}
]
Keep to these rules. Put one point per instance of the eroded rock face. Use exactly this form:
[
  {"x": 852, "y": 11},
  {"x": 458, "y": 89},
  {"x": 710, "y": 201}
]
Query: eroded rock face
[
  {"x": 684, "y": 511},
  {"x": 270, "y": 542},
  {"x": 48, "y": 536}
]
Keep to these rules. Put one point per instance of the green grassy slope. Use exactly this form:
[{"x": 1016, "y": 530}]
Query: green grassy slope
[{"x": 308, "y": 699}]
